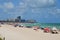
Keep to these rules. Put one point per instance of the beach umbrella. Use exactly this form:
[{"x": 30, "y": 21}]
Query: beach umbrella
[
  {"x": 54, "y": 28},
  {"x": 46, "y": 29}
]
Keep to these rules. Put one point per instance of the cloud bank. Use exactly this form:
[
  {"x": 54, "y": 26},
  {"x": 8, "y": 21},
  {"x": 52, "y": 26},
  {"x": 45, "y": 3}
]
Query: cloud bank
[
  {"x": 8, "y": 5},
  {"x": 40, "y": 3},
  {"x": 39, "y": 8}
]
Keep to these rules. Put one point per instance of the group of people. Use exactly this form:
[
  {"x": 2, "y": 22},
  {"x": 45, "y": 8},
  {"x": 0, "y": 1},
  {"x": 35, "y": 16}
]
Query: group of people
[{"x": 53, "y": 30}]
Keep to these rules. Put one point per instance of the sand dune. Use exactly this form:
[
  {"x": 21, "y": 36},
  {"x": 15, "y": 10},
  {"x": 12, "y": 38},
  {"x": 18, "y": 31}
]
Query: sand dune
[{"x": 16, "y": 33}]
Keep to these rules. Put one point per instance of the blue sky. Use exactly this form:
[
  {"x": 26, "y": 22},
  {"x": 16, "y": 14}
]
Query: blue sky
[{"x": 44, "y": 11}]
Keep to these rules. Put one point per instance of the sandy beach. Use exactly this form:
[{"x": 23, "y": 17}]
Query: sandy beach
[{"x": 16, "y": 33}]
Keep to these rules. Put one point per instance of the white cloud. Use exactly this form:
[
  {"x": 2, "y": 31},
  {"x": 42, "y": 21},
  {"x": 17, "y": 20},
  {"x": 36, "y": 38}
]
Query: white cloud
[
  {"x": 9, "y": 8},
  {"x": 55, "y": 12},
  {"x": 47, "y": 12},
  {"x": 52, "y": 10},
  {"x": 37, "y": 10},
  {"x": 22, "y": 5},
  {"x": 8, "y": 5},
  {"x": 40, "y": 3},
  {"x": 1, "y": 6},
  {"x": 58, "y": 10},
  {"x": 52, "y": 2}
]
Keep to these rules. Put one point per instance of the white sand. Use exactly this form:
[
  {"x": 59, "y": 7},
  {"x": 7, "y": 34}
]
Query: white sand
[{"x": 16, "y": 33}]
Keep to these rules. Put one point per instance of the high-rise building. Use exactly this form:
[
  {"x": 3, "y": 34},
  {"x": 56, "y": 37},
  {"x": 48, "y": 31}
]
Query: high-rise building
[
  {"x": 23, "y": 20},
  {"x": 18, "y": 19}
]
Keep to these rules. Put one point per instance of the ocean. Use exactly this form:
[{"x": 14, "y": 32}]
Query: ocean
[{"x": 57, "y": 25}]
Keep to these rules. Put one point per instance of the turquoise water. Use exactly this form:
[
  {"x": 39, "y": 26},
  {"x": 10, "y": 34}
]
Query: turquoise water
[{"x": 43, "y": 24}]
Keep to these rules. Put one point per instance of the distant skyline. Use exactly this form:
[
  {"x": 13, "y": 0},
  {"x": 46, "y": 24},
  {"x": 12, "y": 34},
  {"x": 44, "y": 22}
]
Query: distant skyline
[{"x": 43, "y": 11}]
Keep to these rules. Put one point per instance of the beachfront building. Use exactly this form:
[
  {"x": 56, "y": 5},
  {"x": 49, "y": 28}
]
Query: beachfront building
[
  {"x": 10, "y": 20},
  {"x": 23, "y": 20},
  {"x": 18, "y": 19},
  {"x": 31, "y": 21}
]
